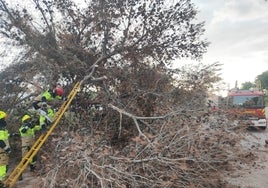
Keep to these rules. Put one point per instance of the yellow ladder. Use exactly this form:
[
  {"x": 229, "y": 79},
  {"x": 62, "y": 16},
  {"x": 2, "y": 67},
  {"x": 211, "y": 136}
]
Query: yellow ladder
[{"x": 13, "y": 177}]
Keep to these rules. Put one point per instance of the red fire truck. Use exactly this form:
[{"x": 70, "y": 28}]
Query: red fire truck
[{"x": 248, "y": 106}]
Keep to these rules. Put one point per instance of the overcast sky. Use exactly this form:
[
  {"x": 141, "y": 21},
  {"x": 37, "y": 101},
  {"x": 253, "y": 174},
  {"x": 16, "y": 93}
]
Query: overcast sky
[{"x": 238, "y": 32}]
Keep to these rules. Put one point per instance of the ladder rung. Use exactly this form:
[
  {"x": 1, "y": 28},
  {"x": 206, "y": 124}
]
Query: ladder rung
[{"x": 19, "y": 169}]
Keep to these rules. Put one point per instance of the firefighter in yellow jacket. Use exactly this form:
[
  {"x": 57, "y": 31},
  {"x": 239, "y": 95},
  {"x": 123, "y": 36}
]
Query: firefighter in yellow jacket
[
  {"x": 4, "y": 146},
  {"x": 27, "y": 132},
  {"x": 42, "y": 103}
]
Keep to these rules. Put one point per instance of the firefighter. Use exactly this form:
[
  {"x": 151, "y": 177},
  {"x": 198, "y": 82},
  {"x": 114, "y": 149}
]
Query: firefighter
[
  {"x": 27, "y": 132},
  {"x": 4, "y": 146},
  {"x": 43, "y": 121},
  {"x": 43, "y": 103}
]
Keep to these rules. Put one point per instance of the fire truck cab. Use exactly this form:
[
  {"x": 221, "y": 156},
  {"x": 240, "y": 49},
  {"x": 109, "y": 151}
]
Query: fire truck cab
[{"x": 248, "y": 106}]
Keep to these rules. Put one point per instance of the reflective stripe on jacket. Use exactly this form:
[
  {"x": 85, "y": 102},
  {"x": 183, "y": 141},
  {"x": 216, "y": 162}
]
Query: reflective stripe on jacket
[
  {"x": 28, "y": 137},
  {"x": 30, "y": 131},
  {"x": 47, "y": 95}
]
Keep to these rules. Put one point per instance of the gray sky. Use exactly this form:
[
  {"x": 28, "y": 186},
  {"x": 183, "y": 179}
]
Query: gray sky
[{"x": 238, "y": 32}]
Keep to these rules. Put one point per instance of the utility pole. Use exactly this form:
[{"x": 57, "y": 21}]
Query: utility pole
[
  {"x": 258, "y": 84},
  {"x": 236, "y": 85}
]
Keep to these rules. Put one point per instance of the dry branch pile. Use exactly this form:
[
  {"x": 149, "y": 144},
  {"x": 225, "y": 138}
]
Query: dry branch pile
[{"x": 178, "y": 151}]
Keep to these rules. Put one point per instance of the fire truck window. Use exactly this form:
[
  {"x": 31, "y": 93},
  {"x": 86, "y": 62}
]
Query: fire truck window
[
  {"x": 249, "y": 103},
  {"x": 253, "y": 102},
  {"x": 260, "y": 101}
]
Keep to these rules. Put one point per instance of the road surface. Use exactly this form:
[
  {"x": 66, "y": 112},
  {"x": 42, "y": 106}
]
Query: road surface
[{"x": 254, "y": 175}]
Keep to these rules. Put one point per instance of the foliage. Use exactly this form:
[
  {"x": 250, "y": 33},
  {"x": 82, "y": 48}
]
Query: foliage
[
  {"x": 70, "y": 39},
  {"x": 142, "y": 126},
  {"x": 247, "y": 85},
  {"x": 263, "y": 78}
]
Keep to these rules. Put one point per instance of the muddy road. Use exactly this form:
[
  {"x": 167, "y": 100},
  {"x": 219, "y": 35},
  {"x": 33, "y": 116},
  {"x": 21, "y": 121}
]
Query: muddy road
[{"x": 254, "y": 175}]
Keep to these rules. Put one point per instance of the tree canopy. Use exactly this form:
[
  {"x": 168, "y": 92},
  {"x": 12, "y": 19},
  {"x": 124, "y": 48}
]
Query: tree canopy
[
  {"x": 261, "y": 82},
  {"x": 247, "y": 85},
  {"x": 65, "y": 38},
  {"x": 263, "y": 79}
]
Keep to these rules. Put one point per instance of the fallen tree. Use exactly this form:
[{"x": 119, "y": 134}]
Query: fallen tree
[{"x": 146, "y": 124}]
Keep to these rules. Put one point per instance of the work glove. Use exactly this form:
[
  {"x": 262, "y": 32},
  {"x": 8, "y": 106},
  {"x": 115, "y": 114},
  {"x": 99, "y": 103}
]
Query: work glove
[
  {"x": 7, "y": 150},
  {"x": 24, "y": 130},
  {"x": 44, "y": 107},
  {"x": 31, "y": 125},
  {"x": 44, "y": 104},
  {"x": 43, "y": 128}
]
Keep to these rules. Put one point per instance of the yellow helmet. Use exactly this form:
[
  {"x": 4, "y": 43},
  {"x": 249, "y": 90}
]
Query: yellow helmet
[
  {"x": 2, "y": 114},
  {"x": 25, "y": 117}
]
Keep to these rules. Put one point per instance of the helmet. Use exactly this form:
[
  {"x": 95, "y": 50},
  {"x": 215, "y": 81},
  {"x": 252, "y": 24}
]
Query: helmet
[
  {"x": 59, "y": 91},
  {"x": 25, "y": 117},
  {"x": 2, "y": 114}
]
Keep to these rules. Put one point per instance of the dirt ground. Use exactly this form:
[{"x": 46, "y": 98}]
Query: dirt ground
[
  {"x": 29, "y": 181},
  {"x": 254, "y": 175}
]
